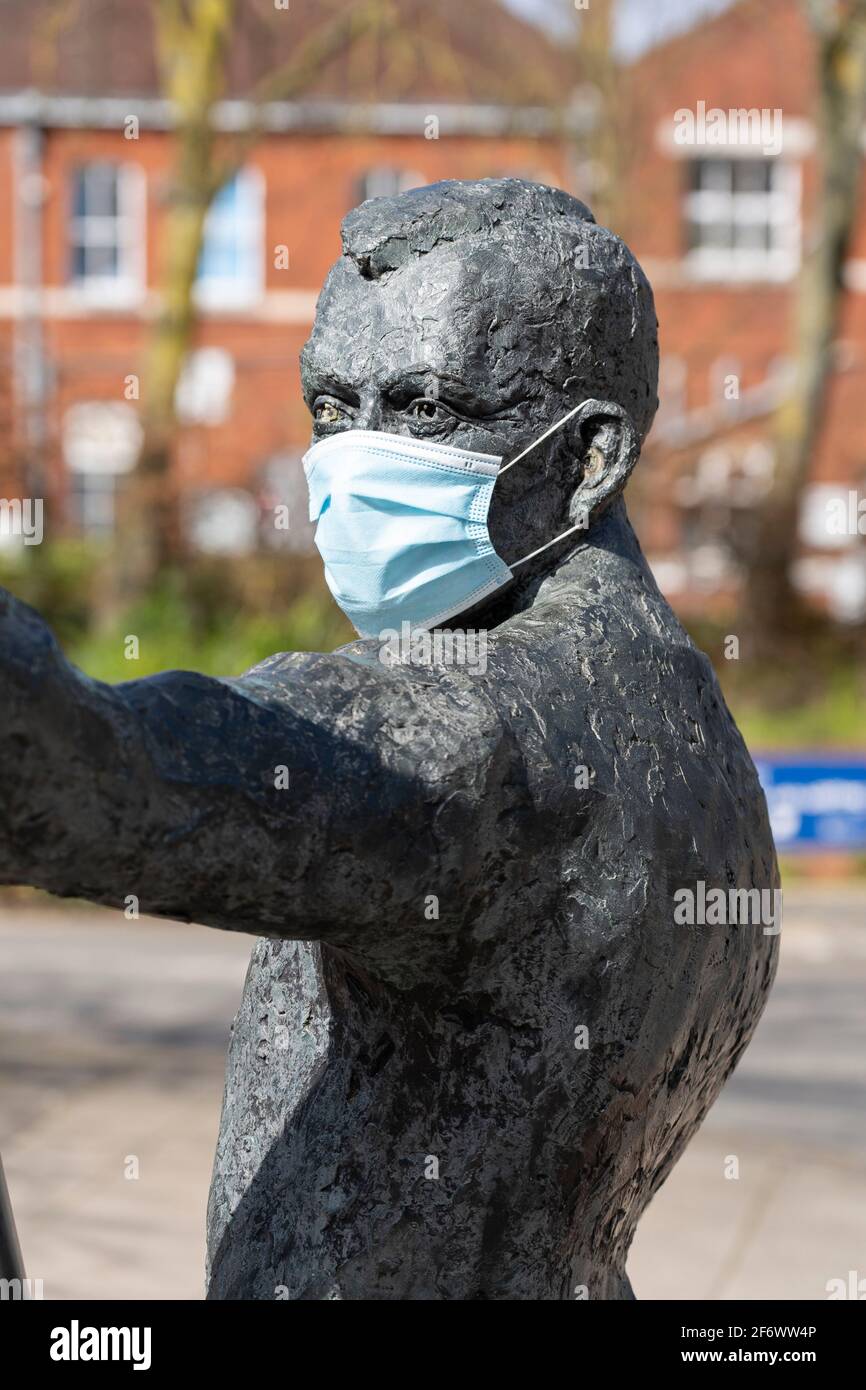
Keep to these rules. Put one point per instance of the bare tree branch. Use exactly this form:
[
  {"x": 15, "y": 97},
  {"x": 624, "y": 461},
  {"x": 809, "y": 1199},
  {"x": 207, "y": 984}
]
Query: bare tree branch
[{"x": 294, "y": 77}]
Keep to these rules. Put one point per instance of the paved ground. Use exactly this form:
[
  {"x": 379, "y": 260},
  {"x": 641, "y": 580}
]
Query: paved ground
[{"x": 112, "y": 1037}]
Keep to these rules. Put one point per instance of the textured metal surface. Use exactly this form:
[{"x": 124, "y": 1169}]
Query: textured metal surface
[{"x": 376, "y": 1046}]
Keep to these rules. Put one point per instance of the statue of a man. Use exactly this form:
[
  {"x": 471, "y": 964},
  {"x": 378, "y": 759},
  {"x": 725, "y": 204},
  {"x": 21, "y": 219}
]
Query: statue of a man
[{"x": 475, "y": 1034}]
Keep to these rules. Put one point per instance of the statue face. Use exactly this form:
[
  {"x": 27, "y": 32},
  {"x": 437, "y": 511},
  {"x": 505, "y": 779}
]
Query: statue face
[{"x": 448, "y": 348}]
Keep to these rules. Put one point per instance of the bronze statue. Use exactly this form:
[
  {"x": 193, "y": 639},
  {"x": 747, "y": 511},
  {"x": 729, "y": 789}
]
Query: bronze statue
[{"x": 473, "y": 1039}]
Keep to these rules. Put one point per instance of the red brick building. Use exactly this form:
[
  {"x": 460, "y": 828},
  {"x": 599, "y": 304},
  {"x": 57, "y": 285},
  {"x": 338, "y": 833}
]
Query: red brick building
[
  {"x": 85, "y": 150},
  {"x": 719, "y": 225}
]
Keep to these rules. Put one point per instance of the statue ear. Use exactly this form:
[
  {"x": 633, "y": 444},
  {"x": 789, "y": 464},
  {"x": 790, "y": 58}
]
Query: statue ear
[{"x": 607, "y": 446}]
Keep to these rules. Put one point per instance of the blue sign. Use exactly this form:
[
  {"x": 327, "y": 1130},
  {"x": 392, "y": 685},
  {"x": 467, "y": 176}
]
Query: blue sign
[{"x": 816, "y": 801}]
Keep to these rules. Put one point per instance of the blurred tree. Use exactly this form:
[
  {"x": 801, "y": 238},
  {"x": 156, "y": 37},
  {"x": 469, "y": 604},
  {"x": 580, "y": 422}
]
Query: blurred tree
[
  {"x": 603, "y": 144},
  {"x": 193, "y": 41},
  {"x": 773, "y": 608}
]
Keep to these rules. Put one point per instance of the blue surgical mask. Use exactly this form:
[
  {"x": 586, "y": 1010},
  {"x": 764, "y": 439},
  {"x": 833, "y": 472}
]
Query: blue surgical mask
[{"x": 402, "y": 526}]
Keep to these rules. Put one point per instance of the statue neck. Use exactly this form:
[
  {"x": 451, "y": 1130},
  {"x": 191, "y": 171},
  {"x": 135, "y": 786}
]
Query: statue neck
[{"x": 610, "y": 547}]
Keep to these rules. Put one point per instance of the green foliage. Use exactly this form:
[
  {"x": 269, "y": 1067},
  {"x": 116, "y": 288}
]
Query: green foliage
[
  {"x": 833, "y": 718},
  {"x": 168, "y": 639},
  {"x": 58, "y": 580},
  {"x": 222, "y": 616},
  {"x": 811, "y": 698},
  {"x": 219, "y": 617}
]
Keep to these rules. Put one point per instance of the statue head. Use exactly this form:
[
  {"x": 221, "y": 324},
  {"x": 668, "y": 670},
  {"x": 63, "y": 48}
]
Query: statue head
[{"x": 479, "y": 314}]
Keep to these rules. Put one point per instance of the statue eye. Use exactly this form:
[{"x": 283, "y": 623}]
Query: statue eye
[
  {"x": 326, "y": 413},
  {"x": 425, "y": 409}
]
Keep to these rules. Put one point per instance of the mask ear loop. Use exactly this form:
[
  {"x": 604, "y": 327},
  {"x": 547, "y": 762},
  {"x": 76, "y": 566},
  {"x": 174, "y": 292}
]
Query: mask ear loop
[
  {"x": 581, "y": 526},
  {"x": 540, "y": 440}
]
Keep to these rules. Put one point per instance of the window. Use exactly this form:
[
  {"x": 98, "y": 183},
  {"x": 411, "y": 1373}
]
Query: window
[
  {"x": 743, "y": 218},
  {"x": 231, "y": 271},
  {"x": 106, "y": 231},
  {"x": 204, "y": 390},
  {"x": 92, "y": 503},
  {"x": 101, "y": 440},
  {"x": 386, "y": 182},
  {"x": 223, "y": 521}
]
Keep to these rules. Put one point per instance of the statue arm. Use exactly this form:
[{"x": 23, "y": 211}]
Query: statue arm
[{"x": 316, "y": 791}]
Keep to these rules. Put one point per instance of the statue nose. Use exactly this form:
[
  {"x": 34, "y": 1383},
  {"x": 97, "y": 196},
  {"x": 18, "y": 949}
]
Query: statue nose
[{"x": 370, "y": 414}]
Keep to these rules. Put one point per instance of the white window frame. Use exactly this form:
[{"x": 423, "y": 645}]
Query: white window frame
[
  {"x": 96, "y": 469},
  {"x": 214, "y": 293},
  {"x": 779, "y": 209},
  {"x": 203, "y": 395},
  {"x": 127, "y": 287},
  {"x": 86, "y": 492}
]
